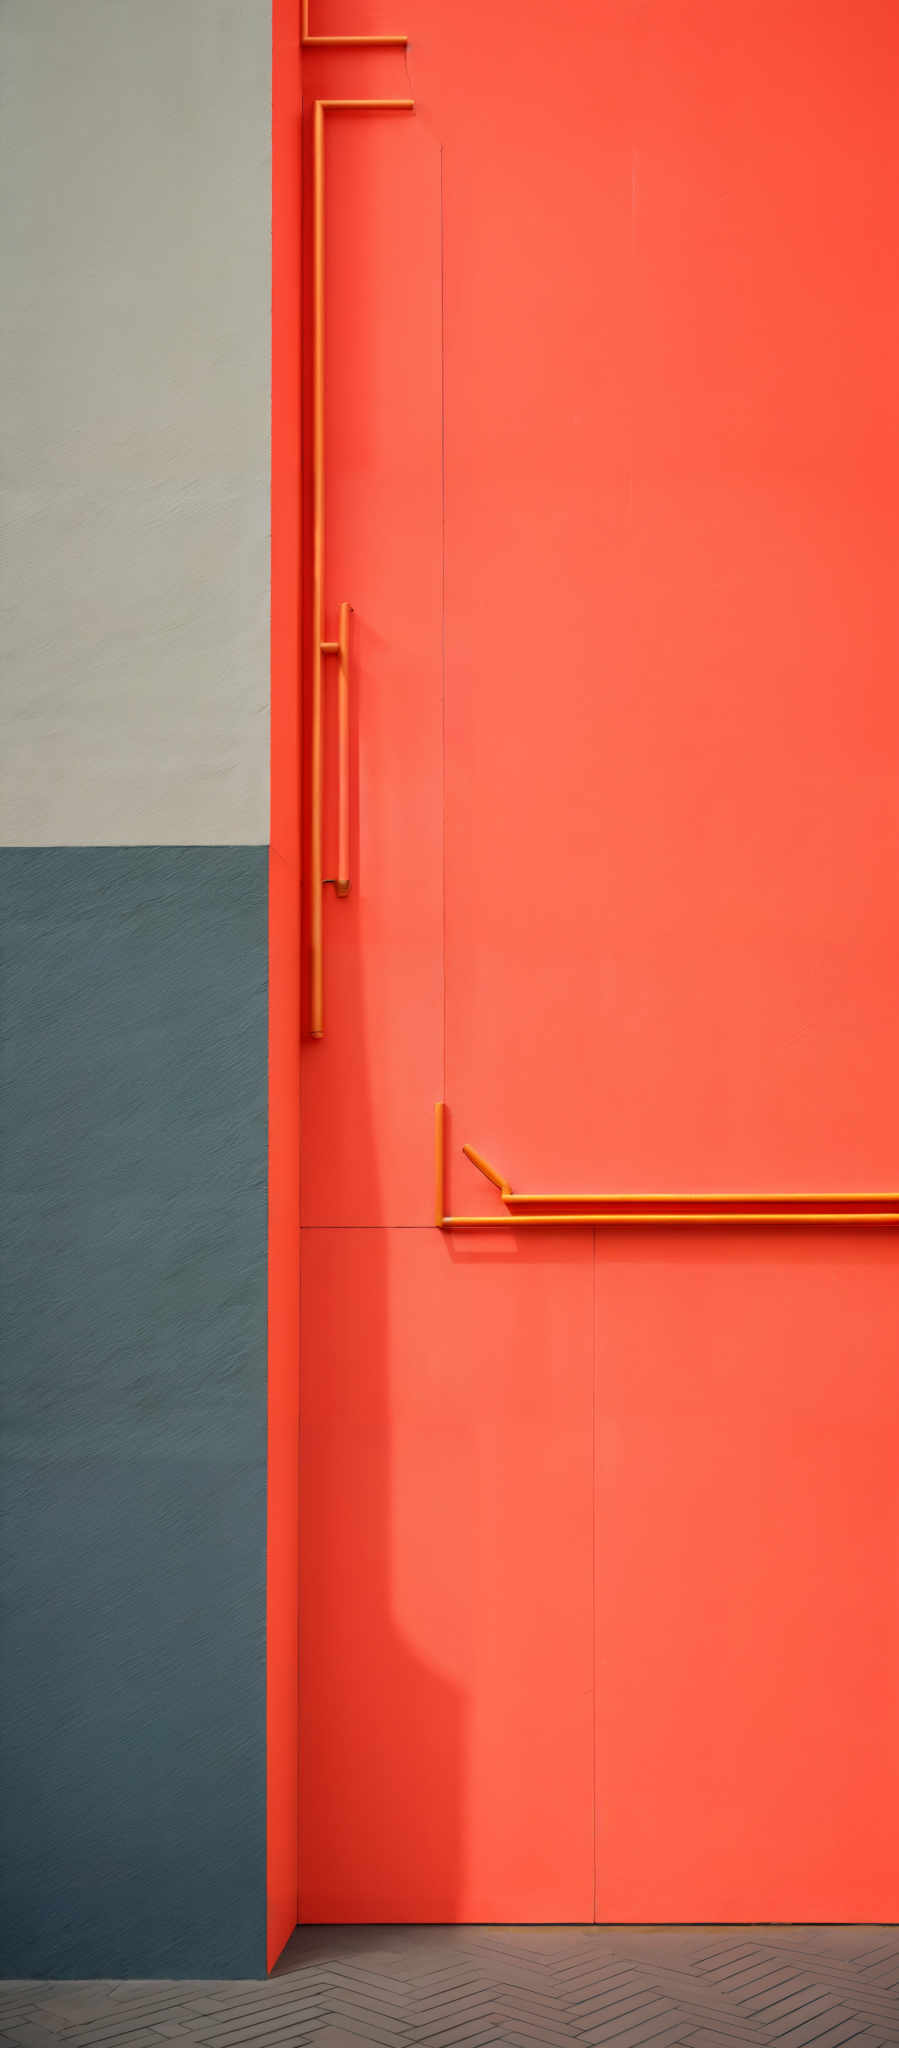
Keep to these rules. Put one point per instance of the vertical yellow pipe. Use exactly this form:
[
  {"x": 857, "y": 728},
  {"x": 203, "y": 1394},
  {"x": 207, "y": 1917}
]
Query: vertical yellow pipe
[
  {"x": 343, "y": 751},
  {"x": 316, "y": 993},
  {"x": 439, "y": 1163},
  {"x": 320, "y": 646}
]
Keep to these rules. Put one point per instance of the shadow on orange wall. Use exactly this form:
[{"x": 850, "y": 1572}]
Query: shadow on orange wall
[{"x": 382, "y": 1728}]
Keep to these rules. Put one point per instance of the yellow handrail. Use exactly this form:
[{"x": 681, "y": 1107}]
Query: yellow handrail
[
  {"x": 571, "y": 1211},
  {"x": 321, "y": 646}
]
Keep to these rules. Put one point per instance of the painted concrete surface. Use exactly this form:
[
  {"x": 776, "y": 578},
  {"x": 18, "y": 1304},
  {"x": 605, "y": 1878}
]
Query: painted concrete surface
[
  {"x": 135, "y": 256},
  {"x": 133, "y": 1221}
]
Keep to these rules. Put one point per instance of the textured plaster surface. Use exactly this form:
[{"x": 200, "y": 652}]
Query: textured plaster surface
[
  {"x": 132, "y": 1379},
  {"x": 134, "y": 410}
]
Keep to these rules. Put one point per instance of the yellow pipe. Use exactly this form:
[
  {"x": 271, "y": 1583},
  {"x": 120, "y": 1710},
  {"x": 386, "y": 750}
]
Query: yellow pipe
[
  {"x": 320, "y": 646},
  {"x": 650, "y": 1217},
  {"x": 489, "y": 1172},
  {"x": 649, "y": 1210}
]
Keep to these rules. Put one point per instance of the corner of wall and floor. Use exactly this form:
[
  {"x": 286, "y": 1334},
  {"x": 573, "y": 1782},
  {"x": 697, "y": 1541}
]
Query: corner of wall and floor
[{"x": 135, "y": 885}]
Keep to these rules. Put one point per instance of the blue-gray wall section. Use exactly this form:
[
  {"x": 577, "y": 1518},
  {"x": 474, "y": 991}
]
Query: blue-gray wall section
[{"x": 133, "y": 1221}]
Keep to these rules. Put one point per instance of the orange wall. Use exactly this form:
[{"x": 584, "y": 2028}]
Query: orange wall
[{"x": 598, "y": 1539}]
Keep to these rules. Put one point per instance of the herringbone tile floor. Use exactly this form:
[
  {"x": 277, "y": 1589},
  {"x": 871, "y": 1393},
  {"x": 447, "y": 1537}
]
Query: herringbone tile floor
[{"x": 502, "y": 1987}]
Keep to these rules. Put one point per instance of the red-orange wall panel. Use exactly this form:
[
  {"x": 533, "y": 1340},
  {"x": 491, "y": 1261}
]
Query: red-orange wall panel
[
  {"x": 747, "y": 1572},
  {"x": 612, "y": 443},
  {"x": 446, "y": 1579},
  {"x": 672, "y": 438}
]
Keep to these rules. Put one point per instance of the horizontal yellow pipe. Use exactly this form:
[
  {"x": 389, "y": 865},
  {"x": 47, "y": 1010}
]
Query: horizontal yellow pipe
[
  {"x": 814, "y": 1195},
  {"x": 373, "y": 106},
  {"x": 655, "y": 1216}
]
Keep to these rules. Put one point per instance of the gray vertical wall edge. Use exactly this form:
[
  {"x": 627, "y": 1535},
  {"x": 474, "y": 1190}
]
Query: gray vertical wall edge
[{"x": 133, "y": 1219}]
